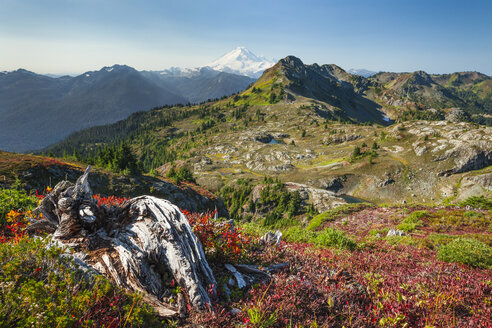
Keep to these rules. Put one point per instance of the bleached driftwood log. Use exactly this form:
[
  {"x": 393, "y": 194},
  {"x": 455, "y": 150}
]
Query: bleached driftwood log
[{"x": 140, "y": 245}]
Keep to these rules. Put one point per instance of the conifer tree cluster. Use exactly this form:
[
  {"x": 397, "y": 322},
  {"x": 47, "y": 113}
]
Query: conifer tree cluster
[{"x": 117, "y": 158}]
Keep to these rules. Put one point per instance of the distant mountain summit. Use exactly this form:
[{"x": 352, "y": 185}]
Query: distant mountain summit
[
  {"x": 362, "y": 72},
  {"x": 243, "y": 62}
]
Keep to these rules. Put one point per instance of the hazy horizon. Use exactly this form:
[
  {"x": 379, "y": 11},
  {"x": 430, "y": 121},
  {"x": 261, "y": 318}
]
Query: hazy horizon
[{"x": 72, "y": 37}]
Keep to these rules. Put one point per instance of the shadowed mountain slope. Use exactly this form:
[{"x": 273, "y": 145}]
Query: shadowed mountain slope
[{"x": 37, "y": 110}]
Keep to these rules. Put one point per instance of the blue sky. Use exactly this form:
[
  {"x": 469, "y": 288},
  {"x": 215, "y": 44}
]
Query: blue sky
[{"x": 73, "y": 36}]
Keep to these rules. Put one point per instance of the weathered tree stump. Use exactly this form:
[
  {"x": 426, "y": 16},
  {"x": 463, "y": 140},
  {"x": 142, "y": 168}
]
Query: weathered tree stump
[{"x": 140, "y": 245}]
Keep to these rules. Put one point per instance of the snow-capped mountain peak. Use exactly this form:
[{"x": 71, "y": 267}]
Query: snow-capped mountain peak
[
  {"x": 362, "y": 72},
  {"x": 241, "y": 61}
]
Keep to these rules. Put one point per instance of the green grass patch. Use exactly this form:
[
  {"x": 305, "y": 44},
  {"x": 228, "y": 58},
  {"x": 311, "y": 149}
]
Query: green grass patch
[
  {"x": 473, "y": 214},
  {"x": 253, "y": 228},
  {"x": 336, "y": 213},
  {"x": 478, "y": 202},
  {"x": 466, "y": 251},
  {"x": 326, "y": 238},
  {"x": 436, "y": 240},
  {"x": 401, "y": 240},
  {"x": 455, "y": 219},
  {"x": 382, "y": 231},
  {"x": 412, "y": 222},
  {"x": 299, "y": 235}
]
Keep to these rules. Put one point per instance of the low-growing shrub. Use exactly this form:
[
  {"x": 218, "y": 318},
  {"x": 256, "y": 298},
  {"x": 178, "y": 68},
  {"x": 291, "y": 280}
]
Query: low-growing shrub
[
  {"x": 334, "y": 238},
  {"x": 15, "y": 206},
  {"x": 109, "y": 201},
  {"x": 221, "y": 241},
  {"x": 42, "y": 288},
  {"x": 15, "y": 199},
  {"x": 467, "y": 251},
  {"x": 478, "y": 202},
  {"x": 412, "y": 222},
  {"x": 327, "y": 238}
]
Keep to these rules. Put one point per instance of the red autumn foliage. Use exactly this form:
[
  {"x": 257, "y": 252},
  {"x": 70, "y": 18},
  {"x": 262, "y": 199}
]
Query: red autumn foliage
[
  {"x": 12, "y": 232},
  {"x": 380, "y": 285},
  {"x": 220, "y": 240},
  {"x": 386, "y": 286},
  {"x": 105, "y": 311},
  {"x": 39, "y": 196},
  {"x": 109, "y": 201}
]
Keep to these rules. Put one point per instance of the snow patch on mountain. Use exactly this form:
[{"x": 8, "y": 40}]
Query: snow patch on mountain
[
  {"x": 181, "y": 72},
  {"x": 243, "y": 62}
]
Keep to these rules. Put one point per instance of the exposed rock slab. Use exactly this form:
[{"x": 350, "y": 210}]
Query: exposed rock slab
[
  {"x": 321, "y": 199},
  {"x": 468, "y": 157}
]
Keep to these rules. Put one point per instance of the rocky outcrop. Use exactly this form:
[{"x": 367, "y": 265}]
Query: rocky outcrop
[
  {"x": 334, "y": 184},
  {"x": 336, "y": 139},
  {"x": 260, "y": 166},
  {"x": 419, "y": 148},
  {"x": 321, "y": 199},
  {"x": 457, "y": 115},
  {"x": 483, "y": 180},
  {"x": 192, "y": 198},
  {"x": 475, "y": 185},
  {"x": 140, "y": 246},
  {"x": 272, "y": 238},
  {"x": 468, "y": 158},
  {"x": 386, "y": 180},
  {"x": 396, "y": 232}
]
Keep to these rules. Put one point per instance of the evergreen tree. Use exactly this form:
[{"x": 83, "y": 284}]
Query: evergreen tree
[{"x": 356, "y": 152}]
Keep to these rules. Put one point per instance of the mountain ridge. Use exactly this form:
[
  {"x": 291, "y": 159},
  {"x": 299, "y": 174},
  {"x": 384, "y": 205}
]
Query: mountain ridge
[
  {"x": 340, "y": 95},
  {"x": 315, "y": 128},
  {"x": 336, "y": 94},
  {"x": 94, "y": 98}
]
